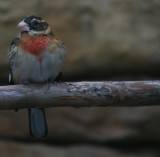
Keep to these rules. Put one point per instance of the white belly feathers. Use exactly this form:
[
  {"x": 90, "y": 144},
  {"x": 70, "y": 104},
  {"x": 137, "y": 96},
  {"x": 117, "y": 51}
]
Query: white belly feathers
[{"x": 38, "y": 69}]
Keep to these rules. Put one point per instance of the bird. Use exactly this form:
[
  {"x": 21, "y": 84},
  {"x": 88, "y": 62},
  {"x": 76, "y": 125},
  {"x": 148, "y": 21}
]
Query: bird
[{"x": 35, "y": 56}]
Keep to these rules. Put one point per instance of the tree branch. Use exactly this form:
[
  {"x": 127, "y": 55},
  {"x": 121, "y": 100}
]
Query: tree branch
[{"x": 81, "y": 94}]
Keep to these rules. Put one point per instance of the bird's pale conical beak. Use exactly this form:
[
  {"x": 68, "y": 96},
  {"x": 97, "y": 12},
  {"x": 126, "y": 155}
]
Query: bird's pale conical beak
[{"x": 22, "y": 26}]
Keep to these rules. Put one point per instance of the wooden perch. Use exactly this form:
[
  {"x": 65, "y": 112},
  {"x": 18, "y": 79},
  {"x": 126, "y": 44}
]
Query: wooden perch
[{"x": 81, "y": 94}]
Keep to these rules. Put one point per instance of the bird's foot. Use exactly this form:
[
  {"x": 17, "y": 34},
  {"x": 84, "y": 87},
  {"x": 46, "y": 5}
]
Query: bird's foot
[
  {"x": 53, "y": 83},
  {"x": 49, "y": 82},
  {"x": 25, "y": 83}
]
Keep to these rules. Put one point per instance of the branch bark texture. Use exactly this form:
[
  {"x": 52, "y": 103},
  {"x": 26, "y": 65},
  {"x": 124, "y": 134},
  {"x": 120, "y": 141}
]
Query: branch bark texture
[{"x": 81, "y": 94}]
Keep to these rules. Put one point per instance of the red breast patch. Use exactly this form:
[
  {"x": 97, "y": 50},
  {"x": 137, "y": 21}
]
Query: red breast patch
[{"x": 34, "y": 45}]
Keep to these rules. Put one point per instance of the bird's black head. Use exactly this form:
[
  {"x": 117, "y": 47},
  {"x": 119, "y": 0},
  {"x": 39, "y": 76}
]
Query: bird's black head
[
  {"x": 36, "y": 23},
  {"x": 33, "y": 25}
]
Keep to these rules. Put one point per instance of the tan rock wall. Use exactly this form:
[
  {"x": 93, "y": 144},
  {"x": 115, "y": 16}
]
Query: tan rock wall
[{"x": 103, "y": 37}]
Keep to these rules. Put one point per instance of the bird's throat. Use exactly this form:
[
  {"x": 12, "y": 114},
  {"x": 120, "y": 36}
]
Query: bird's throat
[{"x": 34, "y": 45}]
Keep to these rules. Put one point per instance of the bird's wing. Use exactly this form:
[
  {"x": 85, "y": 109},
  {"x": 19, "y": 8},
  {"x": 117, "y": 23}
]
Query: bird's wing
[
  {"x": 63, "y": 51},
  {"x": 12, "y": 56},
  {"x": 58, "y": 47}
]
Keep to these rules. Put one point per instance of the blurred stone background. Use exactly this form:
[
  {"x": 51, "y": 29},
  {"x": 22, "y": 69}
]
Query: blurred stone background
[{"x": 106, "y": 40}]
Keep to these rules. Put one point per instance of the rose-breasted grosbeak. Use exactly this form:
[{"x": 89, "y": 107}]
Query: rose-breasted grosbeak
[{"x": 35, "y": 56}]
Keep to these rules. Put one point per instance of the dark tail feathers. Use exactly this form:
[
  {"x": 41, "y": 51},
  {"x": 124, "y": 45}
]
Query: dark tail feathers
[{"x": 37, "y": 123}]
